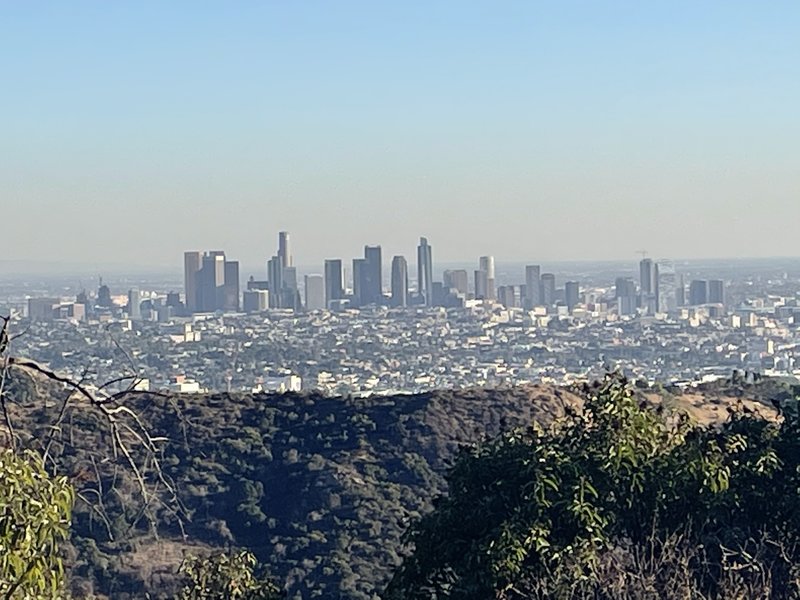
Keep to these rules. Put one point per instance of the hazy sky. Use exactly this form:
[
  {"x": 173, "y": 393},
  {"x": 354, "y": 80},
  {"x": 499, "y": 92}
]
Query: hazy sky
[{"x": 133, "y": 131}]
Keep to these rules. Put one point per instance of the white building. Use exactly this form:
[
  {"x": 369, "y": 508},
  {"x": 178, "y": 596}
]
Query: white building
[{"x": 279, "y": 384}]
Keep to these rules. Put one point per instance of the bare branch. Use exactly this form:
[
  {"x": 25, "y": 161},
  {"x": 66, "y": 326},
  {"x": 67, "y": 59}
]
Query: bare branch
[
  {"x": 125, "y": 426},
  {"x": 4, "y": 347}
]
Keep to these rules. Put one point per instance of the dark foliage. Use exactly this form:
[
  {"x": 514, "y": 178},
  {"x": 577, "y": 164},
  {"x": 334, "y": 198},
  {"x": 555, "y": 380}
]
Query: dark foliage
[
  {"x": 617, "y": 501},
  {"x": 320, "y": 489}
]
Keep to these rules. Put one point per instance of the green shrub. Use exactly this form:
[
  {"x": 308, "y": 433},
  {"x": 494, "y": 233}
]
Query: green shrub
[
  {"x": 593, "y": 505},
  {"x": 225, "y": 577},
  {"x": 35, "y": 511}
]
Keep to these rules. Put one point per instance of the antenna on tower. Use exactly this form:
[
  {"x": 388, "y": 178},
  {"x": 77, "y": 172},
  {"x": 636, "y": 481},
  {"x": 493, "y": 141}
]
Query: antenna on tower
[{"x": 643, "y": 253}]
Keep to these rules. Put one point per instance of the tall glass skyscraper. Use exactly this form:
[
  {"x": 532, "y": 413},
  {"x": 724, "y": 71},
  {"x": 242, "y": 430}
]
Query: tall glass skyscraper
[
  {"x": 334, "y": 281},
  {"x": 399, "y": 281},
  {"x": 425, "y": 271},
  {"x": 372, "y": 276}
]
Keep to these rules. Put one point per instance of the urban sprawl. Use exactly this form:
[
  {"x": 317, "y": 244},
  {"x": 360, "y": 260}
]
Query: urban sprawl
[{"x": 357, "y": 333}]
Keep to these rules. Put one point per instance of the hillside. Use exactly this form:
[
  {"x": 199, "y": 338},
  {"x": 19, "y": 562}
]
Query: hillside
[{"x": 321, "y": 489}]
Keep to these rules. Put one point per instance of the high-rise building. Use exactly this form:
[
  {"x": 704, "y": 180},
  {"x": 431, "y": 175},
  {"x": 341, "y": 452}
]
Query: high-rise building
[
  {"x": 716, "y": 291},
  {"x": 698, "y": 292},
  {"x": 253, "y": 284},
  {"x": 371, "y": 291},
  {"x": 648, "y": 283},
  {"x": 134, "y": 309},
  {"x": 572, "y": 294},
  {"x": 624, "y": 286},
  {"x": 231, "y": 293},
  {"x": 104, "y": 296},
  {"x": 173, "y": 300},
  {"x": 211, "y": 282},
  {"x": 42, "y": 309},
  {"x": 290, "y": 292},
  {"x": 533, "y": 297},
  {"x": 359, "y": 282},
  {"x": 487, "y": 264},
  {"x": 667, "y": 286},
  {"x": 334, "y": 284},
  {"x": 680, "y": 292},
  {"x": 425, "y": 271},
  {"x": 654, "y": 306},
  {"x": 548, "y": 289},
  {"x": 275, "y": 278},
  {"x": 646, "y": 275},
  {"x": 255, "y": 300},
  {"x": 506, "y": 295},
  {"x": 458, "y": 280},
  {"x": 400, "y": 281},
  {"x": 283, "y": 289},
  {"x": 315, "y": 292},
  {"x": 284, "y": 250},
  {"x": 192, "y": 263},
  {"x": 481, "y": 285},
  {"x": 439, "y": 295},
  {"x": 625, "y": 294}
]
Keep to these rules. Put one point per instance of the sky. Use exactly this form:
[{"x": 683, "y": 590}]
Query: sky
[{"x": 533, "y": 131}]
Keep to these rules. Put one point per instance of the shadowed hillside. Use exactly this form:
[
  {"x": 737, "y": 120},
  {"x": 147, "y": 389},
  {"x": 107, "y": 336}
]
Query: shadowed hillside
[{"x": 321, "y": 489}]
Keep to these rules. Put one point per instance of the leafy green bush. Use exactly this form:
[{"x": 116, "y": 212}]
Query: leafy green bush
[
  {"x": 616, "y": 501},
  {"x": 35, "y": 511},
  {"x": 226, "y": 577}
]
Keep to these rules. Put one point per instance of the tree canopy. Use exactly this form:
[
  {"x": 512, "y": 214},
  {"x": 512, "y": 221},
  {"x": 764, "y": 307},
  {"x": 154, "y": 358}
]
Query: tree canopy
[
  {"x": 226, "y": 577},
  {"x": 617, "y": 500},
  {"x": 35, "y": 511}
]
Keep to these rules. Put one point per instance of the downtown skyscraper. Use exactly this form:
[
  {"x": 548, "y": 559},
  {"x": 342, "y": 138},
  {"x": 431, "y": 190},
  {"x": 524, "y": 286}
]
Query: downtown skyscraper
[
  {"x": 211, "y": 282},
  {"x": 282, "y": 276},
  {"x": 367, "y": 277},
  {"x": 484, "y": 279},
  {"x": 425, "y": 271},
  {"x": 192, "y": 263},
  {"x": 334, "y": 281},
  {"x": 648, "y": 284},
  {"x": 572, "y": 294},
  {"x": 314, "y": 292},
  {"x": 284, "y": 250},
  {"x": 548, "y": 289},
  {"x": 533, "y": 286},
  {"x": 399, "y": 281},
  {"x": 457, "y": 280}
]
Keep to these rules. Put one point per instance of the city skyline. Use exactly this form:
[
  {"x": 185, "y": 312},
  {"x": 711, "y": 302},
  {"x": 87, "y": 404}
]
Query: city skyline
[
  {"x": 298, "y": 299},
  {"x": 212, "y": 283},
  {"x": 519, "y": 130}
]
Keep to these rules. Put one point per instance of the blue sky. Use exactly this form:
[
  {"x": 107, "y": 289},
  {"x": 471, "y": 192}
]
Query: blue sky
[{"x": 528, "y": 130}]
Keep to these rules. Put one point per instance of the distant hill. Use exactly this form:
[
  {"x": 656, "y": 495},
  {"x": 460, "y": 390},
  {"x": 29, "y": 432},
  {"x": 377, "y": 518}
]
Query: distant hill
[{"x": 321, "y": 489}]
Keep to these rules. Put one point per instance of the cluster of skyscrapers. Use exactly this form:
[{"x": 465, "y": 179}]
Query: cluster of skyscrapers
[
  {"x": 650, "y": 296},
  {"x": 660, "y": 290},
  {"x": 212, "y": 284}
]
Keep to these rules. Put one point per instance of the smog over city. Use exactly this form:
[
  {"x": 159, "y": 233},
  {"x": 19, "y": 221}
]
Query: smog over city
[{"x": 415, "y": 300}]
